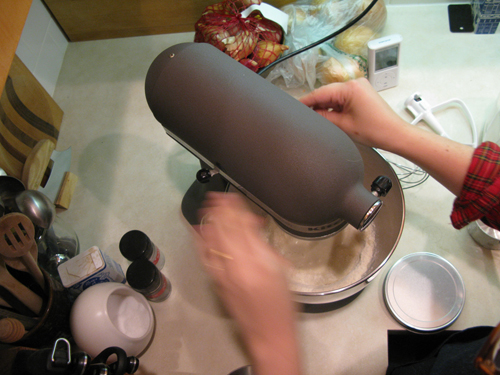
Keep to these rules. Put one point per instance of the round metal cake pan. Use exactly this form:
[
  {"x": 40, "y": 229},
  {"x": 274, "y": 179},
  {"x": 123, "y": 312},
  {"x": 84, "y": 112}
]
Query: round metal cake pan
[{"x": 424, "y": 292}]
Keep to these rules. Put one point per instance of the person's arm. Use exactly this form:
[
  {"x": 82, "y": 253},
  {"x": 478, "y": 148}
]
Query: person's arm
[
  {"x": 251, "y": 281},
  {"x": 360, "y": 111}
]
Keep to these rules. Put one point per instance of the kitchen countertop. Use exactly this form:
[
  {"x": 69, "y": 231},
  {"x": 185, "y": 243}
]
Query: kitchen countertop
[{"x": 133, "y": 176}]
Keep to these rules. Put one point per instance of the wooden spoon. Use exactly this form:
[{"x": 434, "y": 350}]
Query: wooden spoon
[
  {"x": 17, "y": 240},
  {"x": 3, "y": 303},
  {"x": 36, "y": 164},
  {"x": 11, "y": 330},
  {"x": 15, "y": 303},
  {"x": 28, "y": 322},
  {"x": 29, "y": 298}
]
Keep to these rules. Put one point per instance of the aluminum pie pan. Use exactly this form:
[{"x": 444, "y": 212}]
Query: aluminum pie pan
[{"x": 424, "y": 292}]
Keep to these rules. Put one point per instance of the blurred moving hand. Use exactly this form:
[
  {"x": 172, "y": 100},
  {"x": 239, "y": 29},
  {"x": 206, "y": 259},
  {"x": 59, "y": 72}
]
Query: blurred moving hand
[{"x": 251, "y": 281}]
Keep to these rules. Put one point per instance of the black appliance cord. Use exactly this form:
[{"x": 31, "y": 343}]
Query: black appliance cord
[{"x": 321, "y": 41}]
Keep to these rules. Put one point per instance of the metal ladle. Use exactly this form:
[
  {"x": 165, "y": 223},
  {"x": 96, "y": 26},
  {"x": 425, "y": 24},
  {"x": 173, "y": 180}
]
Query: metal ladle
[
  {"x": 38, "y": 207},
  {"x": 52, "y": 251}
]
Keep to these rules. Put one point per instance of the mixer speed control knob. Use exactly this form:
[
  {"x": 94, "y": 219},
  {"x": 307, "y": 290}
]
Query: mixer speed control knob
[
  {"x": 381, "y": 186},
  {"x": 204, "y": 175}
]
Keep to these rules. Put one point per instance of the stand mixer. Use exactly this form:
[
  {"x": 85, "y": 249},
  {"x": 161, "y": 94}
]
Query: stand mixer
[{"x": 293, "y": 163}]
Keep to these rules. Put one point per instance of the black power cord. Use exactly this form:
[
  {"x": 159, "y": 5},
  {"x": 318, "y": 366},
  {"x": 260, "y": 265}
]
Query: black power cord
[{"x": 321, "y": 41}]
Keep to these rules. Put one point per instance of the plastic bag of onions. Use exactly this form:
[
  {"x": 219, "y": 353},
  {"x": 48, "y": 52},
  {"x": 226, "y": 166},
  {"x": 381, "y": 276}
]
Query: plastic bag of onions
[{"x": 253, "y": 41}]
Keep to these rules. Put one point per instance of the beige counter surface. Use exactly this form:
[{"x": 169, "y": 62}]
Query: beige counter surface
[{"x": 133, "y": 176}]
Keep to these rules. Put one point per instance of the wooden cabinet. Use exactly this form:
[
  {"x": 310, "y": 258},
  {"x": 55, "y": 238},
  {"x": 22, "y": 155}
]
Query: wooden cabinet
[
  {"x": 103, "y": 19},
  {"x": 12, "y": 19}
]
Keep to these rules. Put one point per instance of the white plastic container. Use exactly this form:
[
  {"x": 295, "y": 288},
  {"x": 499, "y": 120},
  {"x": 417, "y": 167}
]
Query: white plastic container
[{"x": 112, "y": 314}]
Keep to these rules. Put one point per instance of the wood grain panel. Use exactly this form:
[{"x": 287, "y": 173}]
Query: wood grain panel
[
  {"x": 27, "y": 114},
  {"x": 104, "y": 19}
]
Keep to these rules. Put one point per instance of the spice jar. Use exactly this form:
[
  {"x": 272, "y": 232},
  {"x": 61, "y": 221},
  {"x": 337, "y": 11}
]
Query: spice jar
[
  {"x": 145, "y": 278},
  {"x": 136, "y": 244}
]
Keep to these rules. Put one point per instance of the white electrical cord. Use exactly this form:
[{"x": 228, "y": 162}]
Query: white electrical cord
[
  {"x": 412, "y": 175},
  {"x": 424, "y": 112}
]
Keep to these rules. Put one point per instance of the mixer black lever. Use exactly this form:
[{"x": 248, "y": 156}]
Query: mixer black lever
[
  {"x": 204, "y": 175},
  {"x": 381, "y": 186}
]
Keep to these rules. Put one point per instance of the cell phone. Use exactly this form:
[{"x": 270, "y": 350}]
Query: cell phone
[
  {"x": 460, "y": 17},
  {"x": 383, "y": 61}
]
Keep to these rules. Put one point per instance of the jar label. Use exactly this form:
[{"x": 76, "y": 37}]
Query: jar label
[
  {"x": 157, "y": 257},
  {"x": 162, "y": 292}
]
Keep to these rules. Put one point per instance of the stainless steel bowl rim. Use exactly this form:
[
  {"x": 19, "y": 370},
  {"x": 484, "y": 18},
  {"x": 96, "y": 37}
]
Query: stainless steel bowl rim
[{"x": 379, "y": 166}]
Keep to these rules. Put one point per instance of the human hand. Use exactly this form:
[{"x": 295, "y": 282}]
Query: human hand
[
  {"x": 357, "y": 109},
  {"x": 251, "y": 281}
]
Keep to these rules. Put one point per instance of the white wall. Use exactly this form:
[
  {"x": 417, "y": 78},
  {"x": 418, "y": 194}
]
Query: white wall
[{"x": 42, "y": 46}]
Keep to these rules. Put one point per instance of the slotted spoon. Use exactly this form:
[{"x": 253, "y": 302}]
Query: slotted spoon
[{"x": 17, "y": 241}]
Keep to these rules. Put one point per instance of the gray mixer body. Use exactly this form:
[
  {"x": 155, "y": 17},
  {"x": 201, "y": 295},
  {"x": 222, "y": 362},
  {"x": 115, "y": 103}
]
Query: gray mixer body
[{"x": 292, "y": 162}]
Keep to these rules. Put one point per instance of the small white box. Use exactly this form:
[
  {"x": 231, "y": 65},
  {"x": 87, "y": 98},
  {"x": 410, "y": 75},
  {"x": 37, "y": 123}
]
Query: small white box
[{"x": 89, "y": 268}]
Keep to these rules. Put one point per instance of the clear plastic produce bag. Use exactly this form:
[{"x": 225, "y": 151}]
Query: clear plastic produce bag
[{"x": 342, "y": 58}]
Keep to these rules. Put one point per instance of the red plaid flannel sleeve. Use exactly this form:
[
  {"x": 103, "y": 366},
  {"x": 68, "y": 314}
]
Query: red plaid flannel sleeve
[{"x": 480, "y": 195}]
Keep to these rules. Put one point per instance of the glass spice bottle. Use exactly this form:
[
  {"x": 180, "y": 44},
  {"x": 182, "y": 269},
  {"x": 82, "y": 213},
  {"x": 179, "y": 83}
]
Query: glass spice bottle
[
  {"x": 145, "y": 278},
  {"x": 136, "y": 244}
]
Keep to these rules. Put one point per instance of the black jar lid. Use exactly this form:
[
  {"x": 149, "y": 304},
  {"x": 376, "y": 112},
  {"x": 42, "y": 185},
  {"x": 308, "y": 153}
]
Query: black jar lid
[
  {"x": 135, "y": 244},
  {"x": 143, "y": 275}
]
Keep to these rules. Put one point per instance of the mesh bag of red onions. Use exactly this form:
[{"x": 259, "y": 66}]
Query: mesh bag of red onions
[{"x": 253, "y": 41}]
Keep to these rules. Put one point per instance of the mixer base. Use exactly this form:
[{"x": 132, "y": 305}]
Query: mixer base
[{"x": 193, "y": 199}]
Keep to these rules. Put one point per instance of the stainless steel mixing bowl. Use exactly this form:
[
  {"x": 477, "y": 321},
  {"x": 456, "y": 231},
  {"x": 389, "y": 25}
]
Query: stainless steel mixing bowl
[{"x": 385, "y": 232}]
